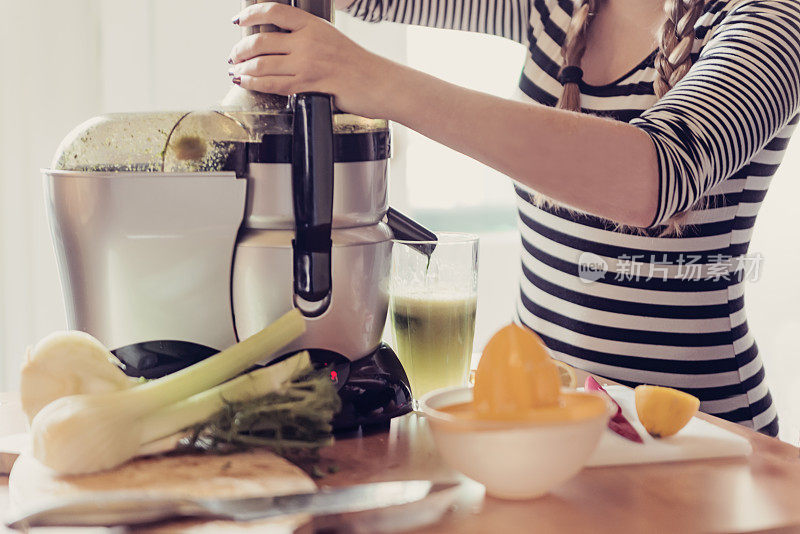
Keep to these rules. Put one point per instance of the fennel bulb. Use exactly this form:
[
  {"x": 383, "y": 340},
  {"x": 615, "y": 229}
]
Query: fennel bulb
[
  {"x": 86, "y": 433},
  {"x": 68, "y": 363},
  {"x": 114, "y": 430},
  {"x": 92, "y": 432}
]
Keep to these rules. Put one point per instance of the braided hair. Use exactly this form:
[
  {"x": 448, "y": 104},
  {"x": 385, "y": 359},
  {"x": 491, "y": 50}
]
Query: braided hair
[
  {"x": 672, "y": 62},
  {"x": 572, "y": 52},
  {"x": 675, "y": 41}
]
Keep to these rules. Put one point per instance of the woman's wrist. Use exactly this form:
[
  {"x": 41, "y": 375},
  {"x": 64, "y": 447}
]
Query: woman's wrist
[{"x": 376, "y": 88}]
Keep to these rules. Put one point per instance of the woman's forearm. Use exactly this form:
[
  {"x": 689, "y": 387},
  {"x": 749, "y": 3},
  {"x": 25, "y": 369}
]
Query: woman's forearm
[{"x": 603, "y": 167}]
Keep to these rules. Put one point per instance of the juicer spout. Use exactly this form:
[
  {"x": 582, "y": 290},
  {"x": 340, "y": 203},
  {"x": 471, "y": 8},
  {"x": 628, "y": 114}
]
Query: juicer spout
[{"x": 405, "y": 228}]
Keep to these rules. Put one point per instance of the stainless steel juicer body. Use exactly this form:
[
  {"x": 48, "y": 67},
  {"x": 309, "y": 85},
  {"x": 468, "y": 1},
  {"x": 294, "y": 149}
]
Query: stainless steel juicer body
[
  {"x": 361, "y": 251},
  {"x": 182, "y": 257},
  {"x": 165, "y": 259}
]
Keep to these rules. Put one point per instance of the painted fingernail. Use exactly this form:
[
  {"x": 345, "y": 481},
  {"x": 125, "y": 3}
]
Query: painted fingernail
[
  {"x": 235, "y": 20},
  {"x": 230, "y": 61},
  {"x": 237, "y": 80},
  {"x": 231, "y": 73}
]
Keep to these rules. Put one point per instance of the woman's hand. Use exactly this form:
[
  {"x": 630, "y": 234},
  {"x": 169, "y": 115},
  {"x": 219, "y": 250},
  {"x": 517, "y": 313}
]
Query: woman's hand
[{"x": 313, "y": 57}]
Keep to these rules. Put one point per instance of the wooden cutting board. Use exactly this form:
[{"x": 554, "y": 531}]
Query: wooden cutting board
[
  {"x": 247, "y": 474},
  {"x": 699, "y": 439}
]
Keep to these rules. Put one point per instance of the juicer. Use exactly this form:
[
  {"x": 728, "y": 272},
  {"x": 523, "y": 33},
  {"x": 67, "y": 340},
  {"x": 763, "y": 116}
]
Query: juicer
[{"x": 177, "y": 234}]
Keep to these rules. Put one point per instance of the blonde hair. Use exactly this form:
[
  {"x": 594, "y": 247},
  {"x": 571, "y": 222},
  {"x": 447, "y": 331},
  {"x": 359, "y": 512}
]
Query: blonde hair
[{"x": 672, "y": 62}]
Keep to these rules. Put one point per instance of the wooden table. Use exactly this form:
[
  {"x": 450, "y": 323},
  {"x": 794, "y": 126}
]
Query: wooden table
[{"x": 758, "y": 493}]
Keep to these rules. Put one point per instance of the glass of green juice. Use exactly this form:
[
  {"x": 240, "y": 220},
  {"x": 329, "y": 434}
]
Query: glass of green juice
[{"x": 433, "y": 298}]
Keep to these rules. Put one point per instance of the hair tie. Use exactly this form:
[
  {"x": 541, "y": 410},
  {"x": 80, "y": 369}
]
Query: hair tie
[{"x": 570, "y": 74}]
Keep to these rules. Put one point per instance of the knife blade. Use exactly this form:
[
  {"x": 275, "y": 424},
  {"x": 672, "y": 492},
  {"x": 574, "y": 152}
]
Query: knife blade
[
  {"x": 618, "y": 423},
  {"x": 122, "y": 508}
]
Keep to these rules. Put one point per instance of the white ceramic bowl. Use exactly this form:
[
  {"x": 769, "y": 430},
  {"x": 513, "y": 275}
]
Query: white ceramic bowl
[{"x": 513, "y": 460}]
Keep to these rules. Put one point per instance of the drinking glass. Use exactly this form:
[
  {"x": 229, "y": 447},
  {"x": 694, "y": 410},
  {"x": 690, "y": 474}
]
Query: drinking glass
[{"x": 432, "y": 307}]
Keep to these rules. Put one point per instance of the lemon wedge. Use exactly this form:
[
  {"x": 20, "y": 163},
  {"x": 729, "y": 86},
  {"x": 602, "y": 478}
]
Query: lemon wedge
[
  {"x": 567, "y": 375},
  {"x": 664, "y": 411}
]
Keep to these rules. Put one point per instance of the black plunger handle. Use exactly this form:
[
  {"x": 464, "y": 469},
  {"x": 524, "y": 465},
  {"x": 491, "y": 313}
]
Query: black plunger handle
[{"x": 312, "y": 191}]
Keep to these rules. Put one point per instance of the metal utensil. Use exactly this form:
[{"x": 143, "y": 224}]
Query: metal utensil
[
  {"x": 129, "y": 509},
  {"x": 618, "y": 423}
]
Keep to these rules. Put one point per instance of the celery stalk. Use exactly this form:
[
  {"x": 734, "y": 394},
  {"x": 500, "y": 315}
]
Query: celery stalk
[
  {"x": 200, "y": 407},
  {"x": 220, "y": 367}
]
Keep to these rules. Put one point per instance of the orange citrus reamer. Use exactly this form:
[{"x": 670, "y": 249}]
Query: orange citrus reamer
[{"x": 515, "y": 375}]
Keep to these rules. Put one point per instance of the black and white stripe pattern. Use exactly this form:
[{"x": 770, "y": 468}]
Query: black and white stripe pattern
[
  {"x": 661, "y": 310},
  {"x": 504, "y": 18},
  {"x": 742, "y": 89}
]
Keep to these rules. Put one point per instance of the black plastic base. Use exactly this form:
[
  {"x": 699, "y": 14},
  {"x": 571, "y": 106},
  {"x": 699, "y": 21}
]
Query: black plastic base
[
  {"x": 154, "y": 359},
  {"x": 373, "y": 389}
]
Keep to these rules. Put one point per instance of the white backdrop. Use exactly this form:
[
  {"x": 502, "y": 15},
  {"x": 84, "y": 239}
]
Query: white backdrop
[{"x": 63, "y": 61}]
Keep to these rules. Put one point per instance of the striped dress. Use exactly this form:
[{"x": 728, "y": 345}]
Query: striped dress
[{"x": 644, "y": 306}]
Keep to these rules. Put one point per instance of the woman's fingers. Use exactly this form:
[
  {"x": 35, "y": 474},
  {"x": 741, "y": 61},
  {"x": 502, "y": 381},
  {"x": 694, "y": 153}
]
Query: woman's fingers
[
  {"x": 283, "y": 16},
  {"x": 277, "y": 85},
  {"x": 276, "y": 65},
  {"x": 313, "y": 56},
  {"x": 260, "y": 44}
]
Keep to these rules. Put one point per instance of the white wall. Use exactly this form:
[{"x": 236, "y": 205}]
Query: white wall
[
  {"x": 48, "y": 84},
  {"x": 773, "y": 300},
  {"x": 62, "y": 61}
]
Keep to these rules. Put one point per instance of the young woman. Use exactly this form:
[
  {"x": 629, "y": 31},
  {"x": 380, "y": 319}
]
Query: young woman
[{"x": 643, "y": 143}]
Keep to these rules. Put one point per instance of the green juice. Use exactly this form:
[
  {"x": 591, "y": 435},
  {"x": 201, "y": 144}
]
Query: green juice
[{"x": 433, "y": 336}]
